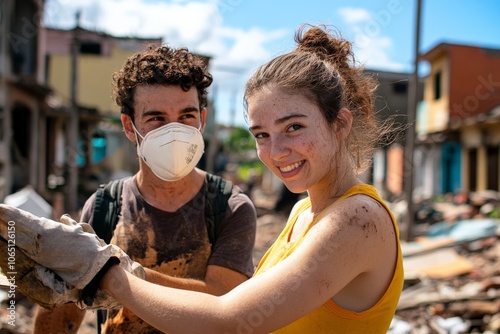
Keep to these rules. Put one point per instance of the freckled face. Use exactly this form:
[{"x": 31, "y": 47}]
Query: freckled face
[{"x": 293, "y": 139}]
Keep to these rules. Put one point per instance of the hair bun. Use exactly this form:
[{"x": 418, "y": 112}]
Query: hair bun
[{"x": 316, "y": 40}]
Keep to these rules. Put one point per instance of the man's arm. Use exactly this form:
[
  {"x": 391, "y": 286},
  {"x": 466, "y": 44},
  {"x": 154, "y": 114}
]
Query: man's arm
[
  {"x": 218, "y": 280},
  {"x": 231, "y": 263},
  {"x": 65, "y": 319},
  {"x": 68, "y": 318}
]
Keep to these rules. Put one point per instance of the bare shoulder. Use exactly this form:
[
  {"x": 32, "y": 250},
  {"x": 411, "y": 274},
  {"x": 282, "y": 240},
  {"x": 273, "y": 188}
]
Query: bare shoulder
[
  {"x": 358, "y": 223},
  {"x": 369, "y": 229},
  {"x": 363, "y": 212}
]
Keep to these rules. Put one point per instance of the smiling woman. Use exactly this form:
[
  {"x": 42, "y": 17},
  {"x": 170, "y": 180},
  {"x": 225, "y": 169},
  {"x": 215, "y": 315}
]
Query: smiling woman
[{"x": 311, "y": 113}]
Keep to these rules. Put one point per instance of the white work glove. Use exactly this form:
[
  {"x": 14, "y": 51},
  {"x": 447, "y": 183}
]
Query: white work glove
[{"x": 73, "y": 253}]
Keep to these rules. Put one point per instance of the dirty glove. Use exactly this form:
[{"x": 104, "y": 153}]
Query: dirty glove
[
  {"x": 41, "y": 285},
  {"x": 73, "y": 254},
  {"x": 70, "y": 250},
  {"x": 37, "y": 283},
  {"x": 92, "y": 296}
]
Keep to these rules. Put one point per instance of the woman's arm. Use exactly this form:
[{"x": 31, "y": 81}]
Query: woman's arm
[
  {"x": 340, "y": 247},
  {"x": 254, "y": 308}
]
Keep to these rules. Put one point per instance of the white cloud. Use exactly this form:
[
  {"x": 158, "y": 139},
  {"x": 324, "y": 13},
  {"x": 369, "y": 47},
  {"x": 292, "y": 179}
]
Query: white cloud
[
  {"x": 177, "y": 23},
  {"x": 371, "y": 46},
  {"x": 355, "y": 15},
  {"x": 197, "y": 25},
  {"x": 249, "y": 46},
  {"x": 375, "y": 54}
]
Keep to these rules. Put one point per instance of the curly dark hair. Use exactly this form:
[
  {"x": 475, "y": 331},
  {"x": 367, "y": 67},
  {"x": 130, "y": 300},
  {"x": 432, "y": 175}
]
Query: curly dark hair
[{"x": 161, "y": 65}]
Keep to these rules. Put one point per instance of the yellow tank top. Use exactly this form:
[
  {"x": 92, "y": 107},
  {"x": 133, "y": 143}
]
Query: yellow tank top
[{"x": 330, "y": 318}]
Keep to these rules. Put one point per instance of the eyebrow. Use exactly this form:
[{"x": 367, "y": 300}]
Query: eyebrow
[
  {"x": 279, "y": 121},
  {"x": 157, "y": 112}
]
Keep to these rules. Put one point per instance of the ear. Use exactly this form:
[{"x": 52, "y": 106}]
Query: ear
[
  {"x": 127, "y": 127},
  {"x": 344, "y": 123},
  {"x": 203, "y": 114}
]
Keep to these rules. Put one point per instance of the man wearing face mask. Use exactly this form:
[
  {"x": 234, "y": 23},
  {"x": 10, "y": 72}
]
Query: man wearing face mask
[{"x": 162, "y": 93}]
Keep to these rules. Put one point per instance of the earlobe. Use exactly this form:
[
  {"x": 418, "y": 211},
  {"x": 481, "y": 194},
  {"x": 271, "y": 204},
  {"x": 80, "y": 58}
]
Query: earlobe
[{"x": 127, "y": 127}]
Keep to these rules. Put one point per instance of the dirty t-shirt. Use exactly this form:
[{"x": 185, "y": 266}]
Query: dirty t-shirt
[{"x": 176, "y": 243}]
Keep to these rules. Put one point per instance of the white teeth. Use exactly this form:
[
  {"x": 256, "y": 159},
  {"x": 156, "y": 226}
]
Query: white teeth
[{"x": 291, "y": 167}]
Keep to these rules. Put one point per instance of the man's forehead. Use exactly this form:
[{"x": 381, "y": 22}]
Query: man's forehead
[{"x": 156, "y": 96}]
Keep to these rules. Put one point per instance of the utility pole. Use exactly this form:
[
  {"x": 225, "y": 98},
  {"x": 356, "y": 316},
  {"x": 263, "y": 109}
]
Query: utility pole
[
  {"x": 410, "y": 134},
  {"x": 73, "y": 128},
  {"x": 6, "y": 10}
]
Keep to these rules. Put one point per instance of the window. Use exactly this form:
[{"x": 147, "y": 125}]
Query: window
[
  {"x": 87, "y": 47},
  {"x": 493, "y": 165},
  {"x": 437, "y": 85},
  {"x": 400, "y": 87}
]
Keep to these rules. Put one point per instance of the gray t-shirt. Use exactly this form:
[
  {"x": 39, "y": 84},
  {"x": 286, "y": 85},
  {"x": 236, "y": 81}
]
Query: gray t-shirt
[{"x": 176, "y": 243}]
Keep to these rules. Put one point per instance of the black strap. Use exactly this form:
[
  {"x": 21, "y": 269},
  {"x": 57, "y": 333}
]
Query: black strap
[
  {"x": 217, "y": 193},
  {"x": 89, "y": 291},
  {"x": 107, "y": 208}
]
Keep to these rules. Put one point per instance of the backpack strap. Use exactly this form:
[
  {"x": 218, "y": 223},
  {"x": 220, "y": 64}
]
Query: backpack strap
[
  {"x": 107, "y": 208},
  {"x": 217, "y": 193}
]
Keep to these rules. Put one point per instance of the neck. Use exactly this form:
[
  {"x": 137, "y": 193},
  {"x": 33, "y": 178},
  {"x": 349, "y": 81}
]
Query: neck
[
  {"x": 323, "y": 196},
  {"x": 165, "y": 195}
]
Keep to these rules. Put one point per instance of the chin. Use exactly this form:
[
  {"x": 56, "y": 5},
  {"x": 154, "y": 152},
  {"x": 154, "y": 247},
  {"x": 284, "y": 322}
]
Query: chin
[{"x": 295, "y": 188}]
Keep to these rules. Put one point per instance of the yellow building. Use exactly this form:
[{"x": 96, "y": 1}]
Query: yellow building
[{"x": 99, "y": 56}]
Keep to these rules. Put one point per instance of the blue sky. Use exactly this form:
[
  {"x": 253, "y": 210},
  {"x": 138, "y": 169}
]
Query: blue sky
[{"x": 239, "y": 35}]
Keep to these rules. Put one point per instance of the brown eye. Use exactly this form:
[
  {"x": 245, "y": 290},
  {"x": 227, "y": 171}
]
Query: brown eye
[
  {"x": 260, "y": 135},
  {"x": 294, "y": 127}
]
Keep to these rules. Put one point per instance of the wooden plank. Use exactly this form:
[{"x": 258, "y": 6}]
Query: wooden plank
[
  {"x": 424, "y": 245},
  {"x": 442, "y": 263}
]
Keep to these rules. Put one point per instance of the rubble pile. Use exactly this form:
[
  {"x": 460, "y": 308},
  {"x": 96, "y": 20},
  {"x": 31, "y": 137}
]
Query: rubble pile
[
  {"x": 455, "y": 303},
  {"x": 452, "y": 269}
]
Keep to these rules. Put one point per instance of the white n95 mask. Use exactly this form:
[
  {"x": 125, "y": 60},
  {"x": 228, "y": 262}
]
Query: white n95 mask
[{"x": 171, "y": 151}]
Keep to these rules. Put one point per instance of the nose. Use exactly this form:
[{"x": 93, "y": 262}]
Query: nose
[{"x": 279, "y": 148}]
